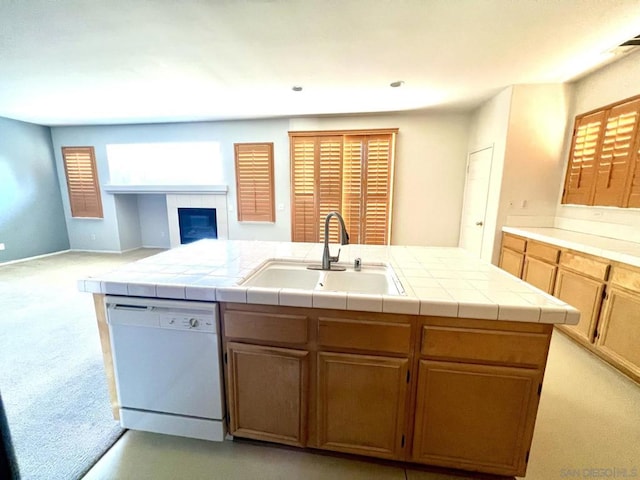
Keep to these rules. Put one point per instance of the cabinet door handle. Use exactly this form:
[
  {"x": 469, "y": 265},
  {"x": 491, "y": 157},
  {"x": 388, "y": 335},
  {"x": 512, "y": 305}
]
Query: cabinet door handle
[{"x": 479, "y": 224}]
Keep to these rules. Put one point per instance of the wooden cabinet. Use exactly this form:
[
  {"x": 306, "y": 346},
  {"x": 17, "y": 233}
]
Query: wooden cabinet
[
  {"x": 606, "y": 293},
  {"x": 363, "y": 377},
  {"x": 512, "y": 254},
  {"x": 457, "y": 393},
  {"x": 267, "y": 393},
  {"x": 475, "y": 417},
  {"x": 585, "y": 294},
  {"x": 362, "y": 403},
  {"x": 540, "y": 265},
  {"x": 619, "y": 330},
  {"x": 539, "y": 274},
  {"x": 478, "y": 388},
  {"x": 581, "y": 283}
]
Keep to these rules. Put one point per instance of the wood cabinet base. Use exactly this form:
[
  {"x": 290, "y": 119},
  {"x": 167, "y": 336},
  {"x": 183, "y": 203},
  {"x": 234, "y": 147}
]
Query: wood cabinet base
[{"x": 447, "y": 392}]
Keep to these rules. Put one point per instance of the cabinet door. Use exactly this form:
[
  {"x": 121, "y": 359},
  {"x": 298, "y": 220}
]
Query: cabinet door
[
  {"x": 475, "y": 417},
  {"x": 539, "y": 274},
  {"x": 584, "y": 294},
  {"x": 511, "y": 262},
  {"x": 619, "y": 334},
  {"x": 361, "y": 404},
  {"x": 267, "y": 393}
]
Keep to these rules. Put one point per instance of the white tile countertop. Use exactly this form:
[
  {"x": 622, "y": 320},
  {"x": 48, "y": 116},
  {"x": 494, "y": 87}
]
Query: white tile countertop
[
  {"x": 438, "y": 281},
  {"x": 609, "y": 248}
]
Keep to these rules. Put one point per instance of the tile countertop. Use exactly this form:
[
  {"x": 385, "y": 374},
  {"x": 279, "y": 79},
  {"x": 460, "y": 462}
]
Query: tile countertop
[
  {"x": 609, "y": 248},
  {"x": 438, "y": 281}
]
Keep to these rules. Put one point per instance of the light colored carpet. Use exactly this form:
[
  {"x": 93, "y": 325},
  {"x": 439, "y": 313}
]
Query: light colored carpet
[{"x": 51, "y": 373}]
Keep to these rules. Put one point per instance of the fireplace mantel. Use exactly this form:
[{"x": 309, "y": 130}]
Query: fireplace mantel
[{"x": 160, "y": 189}]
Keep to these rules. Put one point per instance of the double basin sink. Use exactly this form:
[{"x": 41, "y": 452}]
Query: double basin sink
[{"x": 370, "y": 279}]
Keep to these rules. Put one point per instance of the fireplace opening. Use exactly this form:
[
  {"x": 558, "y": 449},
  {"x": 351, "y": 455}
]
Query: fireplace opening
[{"x": 196, "y": 224}]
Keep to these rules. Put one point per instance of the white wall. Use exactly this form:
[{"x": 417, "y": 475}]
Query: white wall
[
  {"x": 614, "y": 82},
  {"x": 429, "y": 171},
  {"x": 154, "y": 224},
  {"x": 429, "y": 176},
  {"x": 489, "y": 127},
  {"x": 526, "y": 125},
  {"x": 105, "y": 234}
]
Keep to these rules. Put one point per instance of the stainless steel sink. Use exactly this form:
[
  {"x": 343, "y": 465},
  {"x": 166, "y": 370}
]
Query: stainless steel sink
[{"x": 371, "y": 279}]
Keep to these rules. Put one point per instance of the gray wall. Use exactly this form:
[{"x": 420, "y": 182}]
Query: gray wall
[{"x": 32, "y": 220}]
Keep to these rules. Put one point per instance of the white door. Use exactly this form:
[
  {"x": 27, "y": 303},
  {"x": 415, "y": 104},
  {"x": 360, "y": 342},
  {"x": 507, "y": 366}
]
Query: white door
[{"x": 474, "y": 208}]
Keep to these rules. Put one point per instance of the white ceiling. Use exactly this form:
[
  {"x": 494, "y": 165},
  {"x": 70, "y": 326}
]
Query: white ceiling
[{"x": 130, "y": 61}]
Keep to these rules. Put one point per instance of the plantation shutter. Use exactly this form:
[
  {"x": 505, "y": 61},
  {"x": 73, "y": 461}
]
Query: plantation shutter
[
  {"x": 377, "y": 189},
  {"x": 580, "y": 178},
  {"x": 254, "y": 182},
  {"x": 616, "y": 154},
  {"x": 303, "y": 204},
  {"x": 329, "y": 183},
  {"x": 349, "y": 172},
  {"x": 82, "y": 182},
  {"x": 352, "y": 199},
  {"x": 633, "y": 194}
]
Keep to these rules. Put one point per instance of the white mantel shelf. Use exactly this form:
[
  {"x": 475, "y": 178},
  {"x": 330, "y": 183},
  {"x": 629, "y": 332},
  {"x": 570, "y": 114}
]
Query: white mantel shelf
[{"x": 159, "y": 189}]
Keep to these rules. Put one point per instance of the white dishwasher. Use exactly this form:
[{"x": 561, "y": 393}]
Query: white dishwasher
[{"x": 166, "y": 358}]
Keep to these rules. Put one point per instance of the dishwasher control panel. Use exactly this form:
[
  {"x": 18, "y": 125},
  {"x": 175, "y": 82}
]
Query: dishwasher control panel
[
  {"x": 161, "y": 313},
  {"x": 187, "y": 321}
]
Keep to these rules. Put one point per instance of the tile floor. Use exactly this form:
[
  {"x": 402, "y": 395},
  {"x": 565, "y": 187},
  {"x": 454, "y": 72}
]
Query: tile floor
[{"x": 588, "y": 426}]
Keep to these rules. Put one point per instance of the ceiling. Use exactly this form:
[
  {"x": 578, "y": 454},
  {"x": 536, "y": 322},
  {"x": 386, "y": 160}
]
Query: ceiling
[{"x": 73, "y": 62}]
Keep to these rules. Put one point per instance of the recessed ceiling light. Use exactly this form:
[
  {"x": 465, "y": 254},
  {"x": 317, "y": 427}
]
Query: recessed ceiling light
[
  {"x": 296, "y": 88},
  {"x": 397, "y": 84}
]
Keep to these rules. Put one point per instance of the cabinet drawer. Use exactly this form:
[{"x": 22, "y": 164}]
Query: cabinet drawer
[
  {"x": 509, "y": 348},
  {"x": 625, "y": 278},
  {"x": 266, "y": 327},
  {"x": 364, "y": 335},
  {"x": 542, "y": 251},
  {"x": 586, "y": 265},
  {"x": 514, "y": 243}
]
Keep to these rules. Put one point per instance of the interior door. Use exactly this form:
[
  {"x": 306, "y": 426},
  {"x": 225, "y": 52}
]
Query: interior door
[{"x": 476, "y": 192}]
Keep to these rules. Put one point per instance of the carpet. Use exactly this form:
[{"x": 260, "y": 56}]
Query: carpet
[{"x": 51, "y": 373}]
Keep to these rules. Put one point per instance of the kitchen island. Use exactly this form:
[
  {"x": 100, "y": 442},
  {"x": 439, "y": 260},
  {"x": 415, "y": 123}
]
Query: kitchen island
[{"x": 448, "y": 373}]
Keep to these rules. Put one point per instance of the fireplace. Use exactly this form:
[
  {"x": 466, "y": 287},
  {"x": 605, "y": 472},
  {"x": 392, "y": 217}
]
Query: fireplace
[
  {"x": 199, "y": 207},
  {"x": 196, "y": 224}
]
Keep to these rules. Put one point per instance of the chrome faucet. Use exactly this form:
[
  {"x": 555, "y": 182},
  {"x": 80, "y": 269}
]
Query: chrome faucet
[{"x": 327, "y": 259}]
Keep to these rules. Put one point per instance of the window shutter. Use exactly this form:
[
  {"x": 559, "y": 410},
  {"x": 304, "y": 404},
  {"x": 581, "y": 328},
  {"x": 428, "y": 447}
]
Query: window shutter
[
  {"x": 303, "y": 171},
  {"x": 346, "y": 171},
  {"x": 377, "y": 189},
  {"x": 580, "y": 177},
  {"x": 616, "y": 154},
  {"x": 254, "y": 182},
  {"x": 82, "y": 182},
  {"x": 329, "y": 183},
  {"x": 633, "y": 190},
  {"x": 352, "y": 200}
]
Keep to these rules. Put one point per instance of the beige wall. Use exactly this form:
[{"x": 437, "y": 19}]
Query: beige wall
[
  {"x": 614, "y": 82},
  {"x": 526, "y": 126},
  {"x": 429, "y": 171}
]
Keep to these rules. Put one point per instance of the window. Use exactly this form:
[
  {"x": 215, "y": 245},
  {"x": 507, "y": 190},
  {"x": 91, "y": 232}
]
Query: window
[
  {"x": 254, "y": 182},
  {"x": 603, "y": 163},
  {"x": 82, "y": 182},
  {"x": 346, "y": 171}
]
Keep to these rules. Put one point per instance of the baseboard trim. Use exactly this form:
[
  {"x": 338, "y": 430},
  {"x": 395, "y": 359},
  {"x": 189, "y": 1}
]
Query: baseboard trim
[{"x": 19, "y": 260}]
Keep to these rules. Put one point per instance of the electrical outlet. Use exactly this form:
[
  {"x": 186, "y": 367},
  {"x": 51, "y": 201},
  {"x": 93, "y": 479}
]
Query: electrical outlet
[{"x": 2, "y": 247}]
